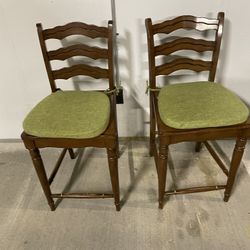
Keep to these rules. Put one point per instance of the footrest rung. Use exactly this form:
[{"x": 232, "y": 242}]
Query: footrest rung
[
  {"x": 82, "y": 196},
  {"x": 195, "y": 189}
]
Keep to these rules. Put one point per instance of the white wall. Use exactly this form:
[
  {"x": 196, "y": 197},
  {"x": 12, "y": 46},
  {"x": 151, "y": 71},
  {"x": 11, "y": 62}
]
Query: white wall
[{"x": 24, "y": 80}]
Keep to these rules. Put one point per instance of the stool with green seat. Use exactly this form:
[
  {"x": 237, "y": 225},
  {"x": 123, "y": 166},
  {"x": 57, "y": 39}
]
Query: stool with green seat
[
  {"x": 193, "y": 111},
  {"x": 75, "y": 119}
]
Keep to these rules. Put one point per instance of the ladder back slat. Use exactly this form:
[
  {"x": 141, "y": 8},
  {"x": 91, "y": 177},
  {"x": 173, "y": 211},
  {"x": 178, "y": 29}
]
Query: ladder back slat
[
  {"x": 78, "y": 50},
  {"x": 184, "y": 41},
  {"x": 102, "y": 49},
  {"x": 183, "y": 64},
  {"x": 197, "y": 45},
  {"x": 80, "y": 69}
]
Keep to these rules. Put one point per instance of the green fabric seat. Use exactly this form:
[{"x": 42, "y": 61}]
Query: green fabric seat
[
  {"x": 200, "y": 105},
  {"x": 69, "y": 114}
]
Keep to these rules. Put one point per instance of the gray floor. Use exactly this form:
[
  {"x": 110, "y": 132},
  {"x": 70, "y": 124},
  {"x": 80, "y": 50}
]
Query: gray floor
[{"x": 194, "y": 221}]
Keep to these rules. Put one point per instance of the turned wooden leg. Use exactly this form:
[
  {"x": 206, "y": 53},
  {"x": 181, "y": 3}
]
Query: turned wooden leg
[
  {"x": 71, "y": 153},
  {"x": 162, "y": 173},
  {"x": 152, "y": 127},
  {"x": 117, "y": 147},
  {"x": 113, "y": 169},
  {"x": 198, "y": 146},
  {"x": 235, "y": 163},
  {"x": 40, "y": 170}
]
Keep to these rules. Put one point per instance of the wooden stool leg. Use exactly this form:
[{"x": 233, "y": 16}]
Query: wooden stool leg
[
  {"x": 117, "y": 147},
  {"x": 162, "y": 173},
  {"x": 113, "y": 169},
  {"x": 152, "y": 128},
  {"x": 40, "y": 170},
  {"x": 236, "y": 159},
  {"x": 198, "y": 146},
  {"x": 71, "y": 153}
]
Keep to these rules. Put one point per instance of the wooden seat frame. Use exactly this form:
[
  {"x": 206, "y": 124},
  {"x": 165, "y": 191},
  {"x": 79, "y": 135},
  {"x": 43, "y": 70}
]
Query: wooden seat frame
[
  {"x": 168, "y": 135},
  {"x": 109, "y": 138}
]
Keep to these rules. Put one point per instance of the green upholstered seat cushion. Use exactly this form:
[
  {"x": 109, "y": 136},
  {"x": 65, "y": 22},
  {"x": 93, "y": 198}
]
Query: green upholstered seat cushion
[
  {"x": 200, "y": 105},
  {"x": 69, "y": 114}
]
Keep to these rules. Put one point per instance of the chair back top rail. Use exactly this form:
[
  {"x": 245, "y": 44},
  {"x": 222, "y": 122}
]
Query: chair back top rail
[
  {"x": 185, "y": 22},
  {"x": 75, "y": 28}
]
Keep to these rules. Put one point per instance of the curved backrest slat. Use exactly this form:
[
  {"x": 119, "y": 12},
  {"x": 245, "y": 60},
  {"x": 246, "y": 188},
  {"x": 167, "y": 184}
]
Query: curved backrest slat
[
  {"x": 183, "y": 45},
  {"x": 75, "y": 28},
  {"x": 182, "y": 64},
  {"x": 81, "y": 69},
  {"x": 78, "y": 50},
  {"x": 197, "y": 45},
  {"x": 185, "y": 22}
]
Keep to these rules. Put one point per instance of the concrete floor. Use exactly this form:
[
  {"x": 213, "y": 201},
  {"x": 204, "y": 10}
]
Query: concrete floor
[{"x": 193, "y": 221}]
